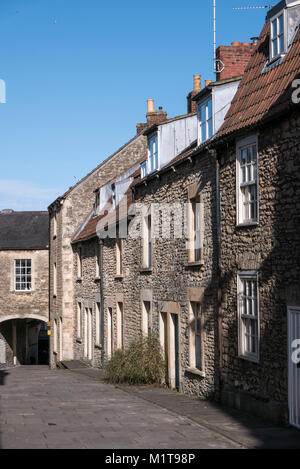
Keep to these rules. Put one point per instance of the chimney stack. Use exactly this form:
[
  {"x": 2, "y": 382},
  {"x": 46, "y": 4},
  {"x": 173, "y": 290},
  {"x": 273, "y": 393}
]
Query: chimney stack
[
  {"x": 233, "y": 59},
  {"x": 154, "y": 117},
  {"x": 191, "y": 105}
]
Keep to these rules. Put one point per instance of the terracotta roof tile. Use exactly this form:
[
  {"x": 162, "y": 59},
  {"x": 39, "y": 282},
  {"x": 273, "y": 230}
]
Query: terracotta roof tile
[{"x": 263, "y": 94}]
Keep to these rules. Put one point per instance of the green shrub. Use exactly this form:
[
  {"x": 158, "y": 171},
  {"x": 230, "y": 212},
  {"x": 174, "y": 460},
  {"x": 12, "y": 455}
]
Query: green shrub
[{"x": 141, "y": 363}]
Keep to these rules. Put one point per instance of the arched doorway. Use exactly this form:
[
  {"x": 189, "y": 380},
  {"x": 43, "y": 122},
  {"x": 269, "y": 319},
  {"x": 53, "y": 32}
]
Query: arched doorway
[{"x": 23, "y": 341}]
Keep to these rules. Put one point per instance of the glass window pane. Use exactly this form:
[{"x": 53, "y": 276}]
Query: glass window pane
[
  {"x": 210, "y": 128},
  {"x": 210, "y": 109},
  {"x": 281, "y": 25},
  {"x": 281, "y": 44},
  {"x": 275, "y": 47},
  {"x": 274, "y": 28}
]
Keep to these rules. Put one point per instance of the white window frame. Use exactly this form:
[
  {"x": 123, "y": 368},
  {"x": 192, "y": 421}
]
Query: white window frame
[
  {"x": 205, "y": 103},
  {"x": 153, "y": 157},
  {"x": 97, "y": 202},
  {"x": 147, "y": 249},
  {"x": 278, "y": 36},
  {"x": 98, "y": 322},
  {"x": 196, "y": 348},
  {"x": 144, "y": 169},
  {"x": 243, "y": 316},
  {"x": 20, "y": 275},
  {"x": 242, "y": 188},
  {"x": 79, "y": 320},
  {"x": 196, "y": 229}
]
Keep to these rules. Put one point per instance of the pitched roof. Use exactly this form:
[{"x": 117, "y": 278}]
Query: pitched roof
[
  {"x": 24, "y": 230},
  {"x": 104, "y": 162},
  {"x": 89, "y": 229},
  {"x": 264, "y": 93}
]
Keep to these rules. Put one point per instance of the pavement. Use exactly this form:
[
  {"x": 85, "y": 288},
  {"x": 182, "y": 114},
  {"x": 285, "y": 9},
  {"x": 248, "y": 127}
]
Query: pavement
[
  {"x": 42, "y": 408},
  {"x": 62, "y": 409}
]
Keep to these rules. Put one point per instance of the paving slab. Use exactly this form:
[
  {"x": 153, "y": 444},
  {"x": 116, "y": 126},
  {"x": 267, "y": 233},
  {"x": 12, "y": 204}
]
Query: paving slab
[{"x": 42, "y": 408}]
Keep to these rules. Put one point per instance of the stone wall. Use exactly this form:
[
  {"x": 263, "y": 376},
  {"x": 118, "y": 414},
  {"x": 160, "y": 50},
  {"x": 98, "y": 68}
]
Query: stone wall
[
  {"x": 273, "y": 249},
  {"x": 72, "y": 210},
  {"x": 22, "y": 305}
]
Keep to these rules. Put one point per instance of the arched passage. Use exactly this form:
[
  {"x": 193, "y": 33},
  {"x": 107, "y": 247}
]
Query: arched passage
[{"x": 23, "y": 341}]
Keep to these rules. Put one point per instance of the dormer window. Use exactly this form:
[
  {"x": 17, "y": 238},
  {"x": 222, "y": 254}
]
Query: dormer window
[
  {"x": 277, "y": 46},
  {"x": 152, "y": 154},
  {"x": 144, "y": 171},
  {"x": 206, "y": 122},
  {"x": 97, "y": 202},
  {"x": 114, "y": 195}
]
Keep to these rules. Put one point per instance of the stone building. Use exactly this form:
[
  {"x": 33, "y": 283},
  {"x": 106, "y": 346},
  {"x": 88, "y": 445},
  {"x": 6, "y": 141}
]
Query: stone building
[
  {"x": 24, "y": 280},
  {"x": 258, "y": 150},
  {"x": 155, "y": 284},
  {"x": 73, "y": 338}
]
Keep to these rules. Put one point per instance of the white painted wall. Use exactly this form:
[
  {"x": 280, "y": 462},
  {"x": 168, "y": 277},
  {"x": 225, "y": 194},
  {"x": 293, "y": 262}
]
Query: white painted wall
[{"x": 174, "y": 137}]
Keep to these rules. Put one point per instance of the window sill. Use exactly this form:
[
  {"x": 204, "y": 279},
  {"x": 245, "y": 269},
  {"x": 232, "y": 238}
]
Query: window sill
[
  {"x": 119, "y": 277},
  {"x": 249, "y": 358},
  {"x": 248, "y": 224},
  {"x": 146, "y": 270},
  {"x": 23, "y": 292},
  {"x": 194, "y": 371},
  {"x": 194, "y": 264}
]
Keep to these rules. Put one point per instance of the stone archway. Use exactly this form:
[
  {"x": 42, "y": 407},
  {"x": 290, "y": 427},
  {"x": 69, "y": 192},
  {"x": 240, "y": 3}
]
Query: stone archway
[{"x": 23, "y": 341}]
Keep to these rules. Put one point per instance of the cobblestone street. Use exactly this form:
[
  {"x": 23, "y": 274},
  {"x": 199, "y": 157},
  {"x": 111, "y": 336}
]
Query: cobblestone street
[{"x": 40, "y": 408}]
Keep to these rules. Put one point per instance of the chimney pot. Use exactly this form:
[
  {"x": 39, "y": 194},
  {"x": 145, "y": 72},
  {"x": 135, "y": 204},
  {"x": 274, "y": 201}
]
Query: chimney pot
[
  {"x": 197, "y": 82},
  {"x": 150, "y": 105},
  {"x": 235, "y": 43},
  {"x": 245, "y": 43}
]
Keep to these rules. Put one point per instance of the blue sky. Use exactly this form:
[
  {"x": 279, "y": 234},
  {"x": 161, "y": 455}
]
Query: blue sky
[{"x": 78, "y": 74}]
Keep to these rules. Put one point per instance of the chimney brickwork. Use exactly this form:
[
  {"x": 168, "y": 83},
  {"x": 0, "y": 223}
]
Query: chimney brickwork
[{"x": 234, "y": 59}]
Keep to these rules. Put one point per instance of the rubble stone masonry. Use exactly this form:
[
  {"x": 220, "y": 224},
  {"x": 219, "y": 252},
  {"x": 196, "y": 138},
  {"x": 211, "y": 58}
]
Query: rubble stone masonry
[{"x": 273, "y": 248}]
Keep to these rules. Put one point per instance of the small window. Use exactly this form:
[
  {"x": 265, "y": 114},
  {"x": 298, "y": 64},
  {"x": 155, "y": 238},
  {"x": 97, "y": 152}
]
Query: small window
[
  {"x": 98, "y": 261},
  {"x": 55, "y": 336},
  {"x": 98, "y": 323},
  {"x": 55, "y": 225},
  {"x": 247, "y": 181},
  {"x": 97, "y": 202},
  {"x": 248, "y": 314},
  {"x": 144, "y": 171},
  {"x": 79, "y": 319},
  {"x": 277, "y": 36},
  {"x": 147, "y": 242},
  {"x": 114, "y": 195},
  {"x": 152, "y": 154},
  {"x": 119, "y": 255},
  {"x": 54, "y": 279},
  {"x": 196, "y": 337},
  {"x": 196, "y": 227},
  {"x": 206, "y": 122},
  {"x": 120, "y": 326},
  {"x": 79, "y": 262},
  {"x": 146, "y": 311},
  {"x": 23, "y": 278}
]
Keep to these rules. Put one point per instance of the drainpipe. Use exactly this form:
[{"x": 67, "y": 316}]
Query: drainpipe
[{"x": 220, "y": 311}]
